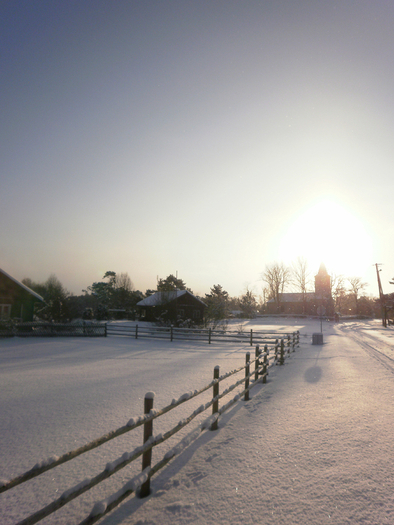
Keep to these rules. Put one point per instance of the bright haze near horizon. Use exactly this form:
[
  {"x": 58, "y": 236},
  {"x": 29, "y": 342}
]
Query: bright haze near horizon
[{"x": 205, "y": 138}]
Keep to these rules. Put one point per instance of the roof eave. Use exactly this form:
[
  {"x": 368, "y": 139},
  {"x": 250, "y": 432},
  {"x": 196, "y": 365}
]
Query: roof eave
[{"x": 26, "y": 288}]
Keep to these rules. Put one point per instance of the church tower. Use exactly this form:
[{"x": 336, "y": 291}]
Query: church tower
[
  {"x": 322, "y": 283},
  {"x": 323, "y": 290}
]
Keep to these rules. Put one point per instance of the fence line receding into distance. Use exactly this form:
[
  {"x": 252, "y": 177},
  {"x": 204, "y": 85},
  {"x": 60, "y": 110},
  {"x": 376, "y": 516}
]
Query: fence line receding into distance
[
  {"x": 255, "y": 371},
  {"x": 208, "y": 335},
  {"x": 140, "y": 331}
]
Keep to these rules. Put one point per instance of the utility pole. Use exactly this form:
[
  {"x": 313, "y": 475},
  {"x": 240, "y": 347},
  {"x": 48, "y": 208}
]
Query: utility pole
[
  {"x": 381, "y": 296},
  {"x": 176, "y": 295}
]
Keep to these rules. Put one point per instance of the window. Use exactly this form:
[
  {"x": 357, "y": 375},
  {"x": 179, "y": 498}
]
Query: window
[
  {"x": 5, "y": 311},
  {"x": 196, "y": 314},
  {"x": 180, "y": 312}
]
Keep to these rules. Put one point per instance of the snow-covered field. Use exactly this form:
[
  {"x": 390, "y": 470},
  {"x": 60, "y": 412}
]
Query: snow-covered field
[{"x": 314, "y": 445}]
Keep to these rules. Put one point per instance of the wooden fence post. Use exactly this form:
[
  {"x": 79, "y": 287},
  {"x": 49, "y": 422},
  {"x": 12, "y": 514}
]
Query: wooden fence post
[
  {"x": 247, "y": 360},
  {"x": 256, "y": 363},
  {"x": 282, "y": 352},
  {"x": 172, "y": 333},
  {"x": 148, "y": 432},
  {"x": 251, "y": 337},
  {"x": 105, "y": 330},
  {"x": 294, "y": 341},
  {"x": 136, "y": 331},
  {"x": 209, "y": 336},
  {"x": 215, "y": 406},
  {"x": 276, "y": 349},
  {"x": 265, "y": 365}
]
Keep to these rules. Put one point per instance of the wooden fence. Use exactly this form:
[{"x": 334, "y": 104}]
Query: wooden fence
[
  {"x": 255, "y": 370},
  {"x": 84, "y": 329},
  {"x": 208, "y": 335},
  {"x": 89, "y": 329}
]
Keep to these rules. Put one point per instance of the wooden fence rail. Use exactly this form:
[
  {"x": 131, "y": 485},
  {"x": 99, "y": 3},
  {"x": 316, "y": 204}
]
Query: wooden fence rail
[
  {"x": 88, "y": 329},
  {"x": 37, "y": 329},
  {"x": 263, "y": 360},
  {"x": 209, "y": 335}
]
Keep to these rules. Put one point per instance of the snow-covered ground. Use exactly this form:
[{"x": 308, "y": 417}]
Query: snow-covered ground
[{"x": 314, "y": 445}]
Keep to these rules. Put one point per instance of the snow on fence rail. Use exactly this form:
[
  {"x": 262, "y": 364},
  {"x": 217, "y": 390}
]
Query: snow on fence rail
[
  {"x": 199, "y": 334},
  {"x": 262, "y": 361}
]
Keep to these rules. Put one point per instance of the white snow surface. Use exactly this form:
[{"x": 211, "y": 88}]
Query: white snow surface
[{"x": 313, "y": 445}]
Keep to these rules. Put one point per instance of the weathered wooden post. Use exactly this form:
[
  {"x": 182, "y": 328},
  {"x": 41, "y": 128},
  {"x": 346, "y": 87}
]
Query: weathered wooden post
[
  {"x": 265, "y": 364},
  {"x": 256, "y": 362},
  {"x": 288, "y": 343},
  {"x": 136, "y": 331},
  {"x": 209, "y": 336},
  {"x": 172, "y": 333},
  {"x": 215, "y": 406},
  {"x": 105, "y": 330},
  {"x": 247, "y": 361},
  {"x": 294, "y": 341},
  {"x": 148, "y": 432},
  {"x": 276, "y": 349},
  {"x": 251, "y": 337},
  {"x": 282, "y": 352}
]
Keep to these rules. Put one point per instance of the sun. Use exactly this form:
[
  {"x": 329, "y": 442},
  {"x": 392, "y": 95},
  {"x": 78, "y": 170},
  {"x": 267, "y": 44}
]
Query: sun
[{"x": 328, "y": 233}]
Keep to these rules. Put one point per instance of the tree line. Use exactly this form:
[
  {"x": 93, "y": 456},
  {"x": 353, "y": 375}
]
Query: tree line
[
  {"x": 115, "y": 296},
  {"x": 348, "y": 293}
]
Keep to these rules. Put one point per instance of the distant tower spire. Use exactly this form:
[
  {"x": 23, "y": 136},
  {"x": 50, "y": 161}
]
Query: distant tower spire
[
  {"x": 322, "y": 282},
  {"x": 323, "y": 288}
]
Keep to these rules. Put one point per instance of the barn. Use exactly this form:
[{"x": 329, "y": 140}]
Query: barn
[
  {"x": 16, "y": 299},
  {"x": 174, "y": 306}
]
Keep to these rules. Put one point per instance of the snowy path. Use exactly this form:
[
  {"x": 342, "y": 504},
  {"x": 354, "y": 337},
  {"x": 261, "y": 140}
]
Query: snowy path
[{"x": 313, "y": 446}]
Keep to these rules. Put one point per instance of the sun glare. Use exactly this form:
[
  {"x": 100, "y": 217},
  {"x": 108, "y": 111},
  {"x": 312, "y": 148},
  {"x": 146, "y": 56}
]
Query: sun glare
[{"x": 328, "y": 233}]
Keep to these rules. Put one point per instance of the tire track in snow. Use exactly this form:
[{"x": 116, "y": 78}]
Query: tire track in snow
[{"x": 371, "y": 347}]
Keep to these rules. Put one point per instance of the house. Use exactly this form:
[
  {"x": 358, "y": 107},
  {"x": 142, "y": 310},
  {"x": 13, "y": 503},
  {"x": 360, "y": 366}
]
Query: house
[
  {"x": 306, "y": 303},
  {"x": 16, "y": 299},
  {"x": 173, "y": 306}
]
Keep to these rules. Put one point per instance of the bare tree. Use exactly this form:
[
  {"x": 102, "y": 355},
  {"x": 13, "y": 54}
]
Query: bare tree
[
  {"x": 277, "y": 276},
  {"x": 356, "y": 286},
  {"x": 263, "y": 298},
  {"x": 338, "y": 291},
  {"x": 300, "y": 274},
  {"x": 124, "y": 282},
  {"x": 300, "y": 277}
]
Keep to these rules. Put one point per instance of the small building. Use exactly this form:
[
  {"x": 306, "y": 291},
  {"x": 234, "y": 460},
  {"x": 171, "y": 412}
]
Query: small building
[
  {"x": 173, "y": 306},
  {"x": 16, "y": 299},
  {"x": 292, "y": 303}
]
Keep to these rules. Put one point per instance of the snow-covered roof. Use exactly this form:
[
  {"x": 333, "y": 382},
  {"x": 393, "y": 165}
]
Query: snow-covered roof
[
  {"x": 160, "y": 298},
  {"x": 26, "y": 288}
]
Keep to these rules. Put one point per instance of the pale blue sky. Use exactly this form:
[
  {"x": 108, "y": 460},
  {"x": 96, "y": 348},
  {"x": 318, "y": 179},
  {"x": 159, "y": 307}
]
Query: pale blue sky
[{"x": 195, "y": 136}]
